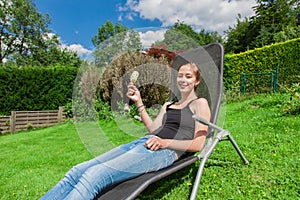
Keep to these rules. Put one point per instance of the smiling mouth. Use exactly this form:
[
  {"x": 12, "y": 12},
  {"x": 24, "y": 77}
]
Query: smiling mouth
[{"x": 182, "y": 85}]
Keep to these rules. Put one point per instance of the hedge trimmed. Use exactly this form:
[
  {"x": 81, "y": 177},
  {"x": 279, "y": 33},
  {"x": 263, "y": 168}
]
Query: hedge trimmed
[
  {"x": 265, "y": 59},
  {"x": 35, "y": 88}
]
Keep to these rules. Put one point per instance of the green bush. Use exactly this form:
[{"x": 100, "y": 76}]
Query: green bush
[
  {"x": 103, "y": 110},
  {"x": 292, "y": 106},
  {"x": 35, "y": 88}
]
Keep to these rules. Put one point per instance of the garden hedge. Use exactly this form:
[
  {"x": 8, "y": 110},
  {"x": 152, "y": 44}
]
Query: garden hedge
[
  {"x": 35, "y": 88},
  {"x": 265, "y": 59}
]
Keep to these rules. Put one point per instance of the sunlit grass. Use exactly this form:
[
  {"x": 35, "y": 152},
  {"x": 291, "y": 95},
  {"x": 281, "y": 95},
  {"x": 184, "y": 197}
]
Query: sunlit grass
[
  {"x": 269, "y": 139},
  {"x": 33, "y": 161}
]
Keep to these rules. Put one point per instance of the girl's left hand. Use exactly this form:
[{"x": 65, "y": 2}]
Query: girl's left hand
[
  {"x": 133, "y": 93},
  {"x": 154, "y": 143}
]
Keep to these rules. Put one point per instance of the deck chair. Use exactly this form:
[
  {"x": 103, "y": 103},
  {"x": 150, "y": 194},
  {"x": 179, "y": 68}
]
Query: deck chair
[{"x": 210, "y": 60}]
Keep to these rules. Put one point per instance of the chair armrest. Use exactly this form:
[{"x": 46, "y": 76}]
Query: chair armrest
[{"x": 204, "y": 121}]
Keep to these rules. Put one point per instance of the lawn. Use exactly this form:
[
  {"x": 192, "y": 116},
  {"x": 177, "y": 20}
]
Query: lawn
[{"x": 33, "y": 161}]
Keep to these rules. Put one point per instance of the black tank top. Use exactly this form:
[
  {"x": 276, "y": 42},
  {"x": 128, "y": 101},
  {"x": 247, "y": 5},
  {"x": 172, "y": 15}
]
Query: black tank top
[{"x": 177, "y": 124}]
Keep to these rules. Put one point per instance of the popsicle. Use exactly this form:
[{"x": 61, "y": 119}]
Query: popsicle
[{"x": 134, "y": 76}]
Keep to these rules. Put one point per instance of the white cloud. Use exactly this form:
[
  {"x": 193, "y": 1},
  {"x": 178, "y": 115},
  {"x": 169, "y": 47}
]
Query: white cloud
[
  {"x": 212, "y": 15},
  {"x": 79, "y": 49},
  {"x": 151, "y": 36}
]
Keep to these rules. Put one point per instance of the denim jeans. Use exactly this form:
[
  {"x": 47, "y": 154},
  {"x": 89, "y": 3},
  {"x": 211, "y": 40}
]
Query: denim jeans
[{"x": 86, "y": 180}]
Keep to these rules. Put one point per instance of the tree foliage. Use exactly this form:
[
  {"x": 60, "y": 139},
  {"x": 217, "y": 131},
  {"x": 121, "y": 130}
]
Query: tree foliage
[
  {"x": 209, "y": 37},
  {"x": 113, "y": 40},
  {"x": 25, "y": 38},
  {"x": 22, "y": 28},
  {"x": 51, "y": 56},
  {"x": 182, "y": 36},
  {"x": 238, "y": 37},
  {"x": 106, "y": 31},
  {"x": 274, "y": 21},
  {"x": 158, "y": 51}
]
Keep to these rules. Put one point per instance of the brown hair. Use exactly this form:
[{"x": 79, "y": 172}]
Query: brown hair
[{"x": 197, "y": 71}]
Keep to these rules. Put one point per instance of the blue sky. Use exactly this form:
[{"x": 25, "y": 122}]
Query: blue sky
[{"x": 77, "y": 21}]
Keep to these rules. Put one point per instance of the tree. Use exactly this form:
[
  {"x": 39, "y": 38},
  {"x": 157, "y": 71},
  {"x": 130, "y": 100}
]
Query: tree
[
  {"x": 106, "y": 31},
  {"x": 240, "y": 36},
  {"x": 182, "y": 36},
  {"x": 209, "y": 37},
  {"x": 296, "y": 10},
  {"x": 274, "y": 20},
  {"x": 178, "y": 40},
  {"x": 51, "y": 56},
  {"x": 272, "y": 17},
  {"x": 275, "y": 13},
  {"x": 187, "y": 30},
  {"x": 22, "y": 28},
  {"x": 161, "y": 50},
  {"x": 287, "y": 33},
  {"x": 25, "y": 38},
  {"x": 113, "y": 40}
]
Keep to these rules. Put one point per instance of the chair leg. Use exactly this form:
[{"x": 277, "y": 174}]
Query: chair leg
[
  {"x": 246, "y": 162},
  {"x": 218, "y": 138},
  {"x": 201, "y": 167},
  {"x": 197, "y": 181}
]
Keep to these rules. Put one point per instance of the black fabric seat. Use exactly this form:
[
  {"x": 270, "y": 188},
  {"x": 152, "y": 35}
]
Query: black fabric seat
[{"x": 132, "y": 188}]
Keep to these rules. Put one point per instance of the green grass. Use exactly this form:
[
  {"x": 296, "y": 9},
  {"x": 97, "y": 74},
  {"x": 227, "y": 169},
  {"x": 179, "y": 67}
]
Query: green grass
[{"x": 31, "y": 162}]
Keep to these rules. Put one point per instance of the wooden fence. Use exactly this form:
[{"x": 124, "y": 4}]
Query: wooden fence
[{"x": 23, "y": 120}]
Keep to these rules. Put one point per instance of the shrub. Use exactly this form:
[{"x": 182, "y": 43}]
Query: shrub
[
  {"x": 103, "y": 110},
  {"x": 293, "y": 105},
  {"x": 153, "y": 82},
  {"x": 29, "y": 126}
]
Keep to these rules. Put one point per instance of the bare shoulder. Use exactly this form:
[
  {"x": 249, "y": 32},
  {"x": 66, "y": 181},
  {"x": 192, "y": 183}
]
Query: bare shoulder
[
  {"x": 166, "y": 104},
  {"x": 200, "y": 105},
  {"x": 200, "y": 102}
]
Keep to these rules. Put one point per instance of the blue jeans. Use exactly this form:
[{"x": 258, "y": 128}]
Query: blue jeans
[{"x": 86, "y": 180}]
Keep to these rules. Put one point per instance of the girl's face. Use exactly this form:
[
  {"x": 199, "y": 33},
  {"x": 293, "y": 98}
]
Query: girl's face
[{"x": 186, "y": 78}]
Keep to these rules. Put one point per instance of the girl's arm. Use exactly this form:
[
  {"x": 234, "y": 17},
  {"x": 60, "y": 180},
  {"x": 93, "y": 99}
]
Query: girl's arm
[
  {"x": 153, "y": 125},
  {"x": 134, "y": 94}
]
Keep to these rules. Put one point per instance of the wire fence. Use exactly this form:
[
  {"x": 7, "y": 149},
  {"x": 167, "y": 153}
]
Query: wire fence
[{"x": 262, "y": 82}]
